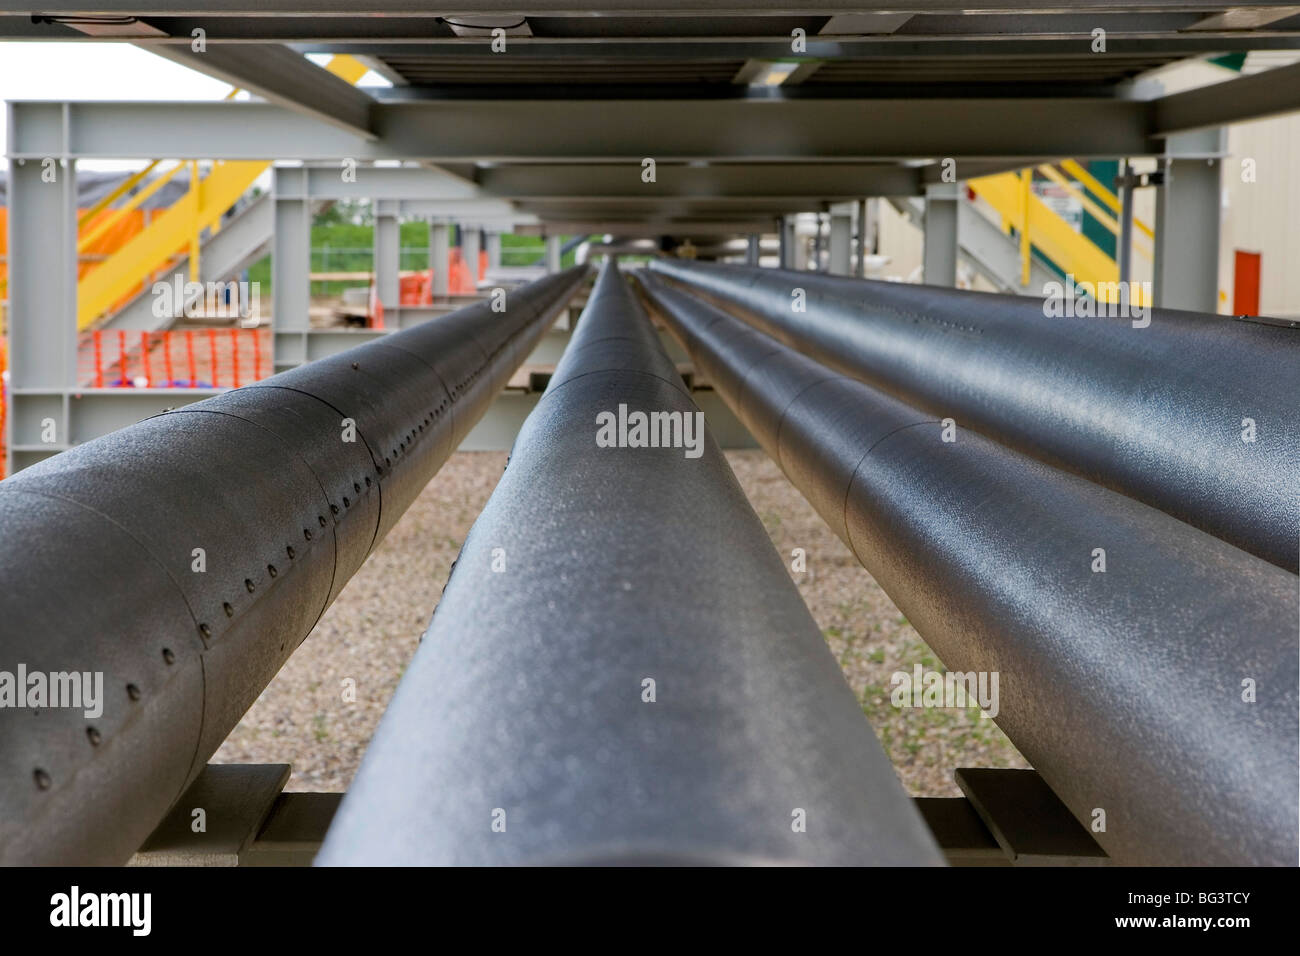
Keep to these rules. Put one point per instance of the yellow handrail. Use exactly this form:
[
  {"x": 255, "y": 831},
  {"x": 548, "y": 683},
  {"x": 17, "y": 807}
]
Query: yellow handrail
[
  {"x": 1026, "y": 248},
  {"x": 1109, "y": 198},
  {"x": 196, "y": 187},
  {"x": 1079, "y": 172},
  {"x": 127, "y": 184},
  {"x": 1101, "y": 215},
  {"x": 1040, "y": 227},
  {"x": 108, "y": 222},
  {"x": 1097, "y": 212}
]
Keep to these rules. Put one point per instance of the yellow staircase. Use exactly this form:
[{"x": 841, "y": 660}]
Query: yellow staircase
[
  {"x": 1038, "y": 227},
  {"x": 179, "y": 227}
]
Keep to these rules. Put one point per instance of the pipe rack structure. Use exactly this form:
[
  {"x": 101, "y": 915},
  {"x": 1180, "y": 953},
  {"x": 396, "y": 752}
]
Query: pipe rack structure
[
  {"x": 185, "y": 558},
  {"x": 1155, "y": 411},
  {"x": 1156, "y": 696},
  {"x": 621, "y": 669}
]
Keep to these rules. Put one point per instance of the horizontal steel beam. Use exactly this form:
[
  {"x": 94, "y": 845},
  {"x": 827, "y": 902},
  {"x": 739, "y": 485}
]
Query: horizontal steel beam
[
  {"x": 608, "y": 130},
  {"x": 934, "y": 31},
  {"x": 587, "y": 694},
  {"x": 952, "y": 50},
  {"x": 539, "y": 187},
  {"x": 283, "y": 76},
  {"x": 1153, "y": 406},
  {"x": 668, "y": 208},
  {"x": 177, "y": 563},
  {"x": 606, "y": 8},
  {"x": 649, "y": 228},
  {"x": 941, "y": 36},
  {"x": 1128, "y": 688},
  {"x": 1257, "y": 96},
  {"x": 715, "y": 181},
  {"x": 352, "y": 180},
  {"x": 774, "y": 130}
]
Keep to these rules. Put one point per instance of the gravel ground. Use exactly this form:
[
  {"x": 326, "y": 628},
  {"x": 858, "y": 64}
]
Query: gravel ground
[{"x": 372, "y": 630}]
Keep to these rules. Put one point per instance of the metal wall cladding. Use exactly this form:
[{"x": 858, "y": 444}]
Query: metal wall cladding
[
  {"x": 1155, "y": 412},
  {"x": 1123, "y": 688},
  {"x": 526, "y": 695},
  {"x": 102, "y": 545}
]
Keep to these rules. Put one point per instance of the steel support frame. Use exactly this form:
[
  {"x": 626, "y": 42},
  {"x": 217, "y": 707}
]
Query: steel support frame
[{"x": 438, "y": 196}]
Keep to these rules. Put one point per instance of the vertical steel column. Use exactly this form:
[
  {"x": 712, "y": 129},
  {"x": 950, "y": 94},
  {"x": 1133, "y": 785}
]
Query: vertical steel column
[
  {"x": 493, "y": 246},
  {"x": 800, "y": 248},
  {"x": 290, "y": 267},
  {"x": 439, "y": 251},
  {"x": 939, "y": 258},
  {"x": 1125, "y": 251},
  {"x": 554, "y": 254},
  {"x": 1188, "y": 219},
  {"x": 864, "y": 239},
  {"x": 42, "y": 315},
  {"x": 471, "y": 242},
  {"x": 841, "y": 243},
  {"x": 752, "y": 250},
  {"x": 387, "y": 246}
]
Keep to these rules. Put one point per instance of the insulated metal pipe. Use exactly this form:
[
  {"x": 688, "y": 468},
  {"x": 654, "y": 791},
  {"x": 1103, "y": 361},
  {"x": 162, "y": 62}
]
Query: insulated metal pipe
[
  {"x": 1193, "y": 414},
  {"x": 178, "y": 563},
  {"x": 621, "y": 669},
  {"x": 1146, "y": 669}
]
